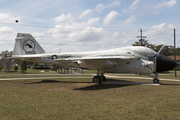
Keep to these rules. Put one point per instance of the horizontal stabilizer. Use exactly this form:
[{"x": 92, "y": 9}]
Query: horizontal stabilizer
[{"x": 30, "y": 56}]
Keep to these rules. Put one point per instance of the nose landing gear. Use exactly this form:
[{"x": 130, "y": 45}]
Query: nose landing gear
[{"x": 156, "y": 80}]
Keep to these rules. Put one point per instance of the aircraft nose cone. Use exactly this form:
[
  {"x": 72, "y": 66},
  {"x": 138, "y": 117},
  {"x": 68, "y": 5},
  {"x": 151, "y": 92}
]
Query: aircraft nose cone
[{"x": 164, "y": 63}]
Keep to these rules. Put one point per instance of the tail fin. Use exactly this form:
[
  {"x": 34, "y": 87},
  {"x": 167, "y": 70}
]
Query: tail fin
[{"x": 26, "y": 45}]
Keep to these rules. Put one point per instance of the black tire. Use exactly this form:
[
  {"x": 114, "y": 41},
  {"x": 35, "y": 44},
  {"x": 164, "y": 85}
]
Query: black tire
[
  {"x": 156, "y": 81},
  {"x": 96, "y": 79}
]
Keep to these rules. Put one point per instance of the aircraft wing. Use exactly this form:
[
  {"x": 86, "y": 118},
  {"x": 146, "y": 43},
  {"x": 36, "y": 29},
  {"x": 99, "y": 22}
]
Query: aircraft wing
[
  {"x": 97, "y": 61},
  {"x": 98, "y": 58}
]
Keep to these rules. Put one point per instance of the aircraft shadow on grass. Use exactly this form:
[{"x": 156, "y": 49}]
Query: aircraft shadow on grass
[
  {"x": 101, "y": 87},
  {"x": 54, "y": 81},
  {"x": 111, "y": 83}
]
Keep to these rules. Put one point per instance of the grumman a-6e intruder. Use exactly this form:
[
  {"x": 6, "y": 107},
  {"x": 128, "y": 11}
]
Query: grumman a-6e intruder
[{"x": 134, "y": 59}]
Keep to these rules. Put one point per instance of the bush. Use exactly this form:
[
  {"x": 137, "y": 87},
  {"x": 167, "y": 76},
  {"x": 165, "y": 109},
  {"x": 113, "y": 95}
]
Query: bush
[
  {"x": 23, "y": 66},
  {"x": 41, "y": 66},
  {"x": 15, "y": 68}
]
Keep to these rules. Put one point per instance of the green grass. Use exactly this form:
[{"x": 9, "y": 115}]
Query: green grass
[{"x": 76, "y": 99}]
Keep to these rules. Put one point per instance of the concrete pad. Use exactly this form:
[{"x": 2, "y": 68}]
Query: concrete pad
[
  {"x": 110, "y": 76},
  {"x": 130, "y": 83}
]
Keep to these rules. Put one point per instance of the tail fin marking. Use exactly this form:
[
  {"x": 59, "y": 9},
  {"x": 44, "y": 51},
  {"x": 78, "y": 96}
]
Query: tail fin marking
[{"x": 25, "y": 44}]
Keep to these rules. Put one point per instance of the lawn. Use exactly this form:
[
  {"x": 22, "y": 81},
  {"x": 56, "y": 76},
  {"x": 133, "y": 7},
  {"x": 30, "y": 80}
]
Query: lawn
[{"x": 73, "y": 98}]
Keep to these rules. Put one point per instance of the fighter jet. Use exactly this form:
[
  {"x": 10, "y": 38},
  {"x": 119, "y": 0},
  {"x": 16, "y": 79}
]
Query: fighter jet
[{"x": 135, "y": 59}]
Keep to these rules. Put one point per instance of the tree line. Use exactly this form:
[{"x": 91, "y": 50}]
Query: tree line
[{"x": 7, "y": 62}]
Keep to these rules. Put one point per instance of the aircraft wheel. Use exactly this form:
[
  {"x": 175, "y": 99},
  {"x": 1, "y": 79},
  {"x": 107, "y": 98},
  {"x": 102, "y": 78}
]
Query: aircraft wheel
[
  {"x": 156, "y": 81},
  {"x": 97, "y": 79}
]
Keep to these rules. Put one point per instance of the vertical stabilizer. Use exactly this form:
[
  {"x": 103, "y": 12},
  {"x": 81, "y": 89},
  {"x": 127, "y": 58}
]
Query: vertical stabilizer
[{"x": 25, "y": 44}]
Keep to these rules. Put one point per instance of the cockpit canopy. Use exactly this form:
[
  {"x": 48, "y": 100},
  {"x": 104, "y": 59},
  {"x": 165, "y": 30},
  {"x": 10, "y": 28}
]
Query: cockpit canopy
[{"x": 143, "y": 51}]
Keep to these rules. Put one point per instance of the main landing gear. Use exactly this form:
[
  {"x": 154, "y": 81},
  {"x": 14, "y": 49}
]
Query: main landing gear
[
  {"x": 99, "y": 78},
  {"x": 156, "y": 80}
]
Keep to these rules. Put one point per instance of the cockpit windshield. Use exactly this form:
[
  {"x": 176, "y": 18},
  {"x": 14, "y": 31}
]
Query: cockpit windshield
[{"x": 144, "y": 51}]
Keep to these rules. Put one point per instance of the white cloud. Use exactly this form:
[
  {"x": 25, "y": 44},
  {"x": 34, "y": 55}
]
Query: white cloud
[
  {"x": 135, "y": 3},
  {"x": 132, "y": 7},
  {"x": 157, "y": 34},
  {"x": 6, "y": 33},
  {"x": 109, "y": 17},
  {"x": 6, "y": 30},
  {"x": 38, "y": 35},
  {"x": 101, "y": 7},
  {"x": 130, "y": 19},
  {"x": 75, "y": 32},
  {"x": 161, "y": 33},
  {"x": 116, "y": 34},
  {"x": 63, "y": 18},
  {"x": 166, "y": 4},
  {"x": 163, "y": 27},
  {"x": 85, "y": 13},
  {"x": 7, "y": 18},
  {"x": 93, "y": 21}
]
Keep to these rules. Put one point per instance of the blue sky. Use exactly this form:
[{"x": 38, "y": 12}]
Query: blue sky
[{"x": 81, "y": 25}]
